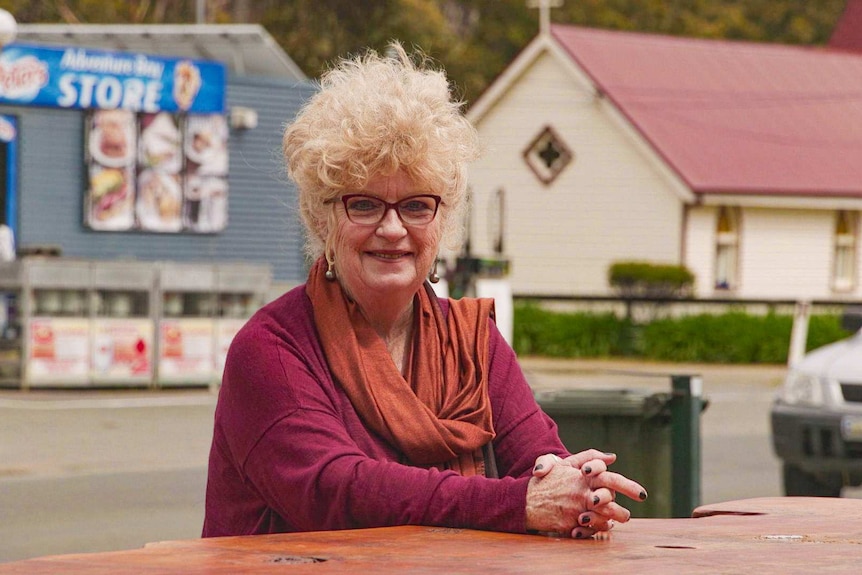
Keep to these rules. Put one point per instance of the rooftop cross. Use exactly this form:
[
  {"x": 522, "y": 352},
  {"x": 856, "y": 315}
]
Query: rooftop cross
[{"x": 544, "y": 7}]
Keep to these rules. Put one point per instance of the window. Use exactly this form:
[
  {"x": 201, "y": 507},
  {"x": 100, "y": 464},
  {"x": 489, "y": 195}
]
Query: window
[
  {"x": 844, "y": 266},
  {"x": 547, "y": 155},
  {"x": 727, "y": 248}
]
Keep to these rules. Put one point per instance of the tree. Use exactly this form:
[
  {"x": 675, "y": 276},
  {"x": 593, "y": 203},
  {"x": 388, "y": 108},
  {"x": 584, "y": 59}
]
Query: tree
[{"x": 473, "y": 40}]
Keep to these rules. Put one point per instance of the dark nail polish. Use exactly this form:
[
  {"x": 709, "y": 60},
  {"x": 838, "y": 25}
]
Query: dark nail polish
[
  {"x": 588, "y": 470},
  {"x": 539, "y": 467},
  {"x": 585, "y": 519},
  {"x": 642, "y": 495},
  {"x": 596, "y": 499}
]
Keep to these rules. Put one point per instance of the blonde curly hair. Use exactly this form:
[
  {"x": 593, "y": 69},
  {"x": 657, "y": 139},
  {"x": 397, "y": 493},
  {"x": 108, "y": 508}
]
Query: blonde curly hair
[{"x": 374, "y": 115}]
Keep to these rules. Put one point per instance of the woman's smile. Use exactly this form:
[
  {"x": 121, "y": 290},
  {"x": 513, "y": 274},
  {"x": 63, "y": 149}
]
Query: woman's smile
[
  {"x": 386, "y": 262},
  {"x": 389, "y": 255}
]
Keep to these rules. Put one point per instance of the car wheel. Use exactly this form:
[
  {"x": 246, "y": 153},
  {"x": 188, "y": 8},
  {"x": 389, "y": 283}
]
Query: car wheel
[{"x": 798, "y": 482}]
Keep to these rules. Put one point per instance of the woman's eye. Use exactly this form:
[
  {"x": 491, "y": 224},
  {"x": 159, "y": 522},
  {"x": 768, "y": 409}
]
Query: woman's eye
[
  {"x": 364, "y": 205},
  {"x": 415, "y": 206}
]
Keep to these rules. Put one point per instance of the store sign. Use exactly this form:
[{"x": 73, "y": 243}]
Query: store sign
[{"x": 82, "y": 78}]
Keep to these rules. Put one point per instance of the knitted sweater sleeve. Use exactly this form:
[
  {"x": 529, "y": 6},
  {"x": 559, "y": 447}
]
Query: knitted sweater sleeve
[{"x": 290, "y": 454}]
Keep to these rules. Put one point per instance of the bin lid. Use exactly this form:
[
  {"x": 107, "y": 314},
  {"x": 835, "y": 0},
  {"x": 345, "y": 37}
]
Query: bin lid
[{"x": 613, "y": 401}]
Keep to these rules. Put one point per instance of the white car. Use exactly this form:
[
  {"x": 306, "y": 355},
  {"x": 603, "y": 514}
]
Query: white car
[{"x": 817, "y": 417}]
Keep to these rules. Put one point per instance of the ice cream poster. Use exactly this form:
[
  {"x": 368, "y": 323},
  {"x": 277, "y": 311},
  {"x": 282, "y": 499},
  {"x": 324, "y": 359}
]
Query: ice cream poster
[{"x": 156, "y": 172}]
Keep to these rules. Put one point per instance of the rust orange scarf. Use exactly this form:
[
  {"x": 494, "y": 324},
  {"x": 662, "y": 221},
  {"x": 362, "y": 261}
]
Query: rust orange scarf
[{"x": 439, "y": 414}]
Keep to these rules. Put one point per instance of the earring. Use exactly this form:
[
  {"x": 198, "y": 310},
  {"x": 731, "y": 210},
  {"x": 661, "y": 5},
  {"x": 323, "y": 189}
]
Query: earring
[
  {"x": 330, "y": 273},
  {"x": 433, "y": 277}
]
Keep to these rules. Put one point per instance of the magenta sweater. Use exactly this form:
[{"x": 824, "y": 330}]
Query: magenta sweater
[{"x": 290, "y": 453}]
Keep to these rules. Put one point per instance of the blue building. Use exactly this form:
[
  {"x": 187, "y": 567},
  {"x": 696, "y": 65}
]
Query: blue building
[{"x": 51, "y": 192}]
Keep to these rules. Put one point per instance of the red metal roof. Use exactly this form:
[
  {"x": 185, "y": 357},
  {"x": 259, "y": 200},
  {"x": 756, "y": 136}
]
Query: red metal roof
[
  {"x": 734, "y": 117},
  {"x": 847, "y": 34}
]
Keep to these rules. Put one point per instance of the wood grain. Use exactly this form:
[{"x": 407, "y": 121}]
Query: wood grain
[{"x": 764, "y": 536}]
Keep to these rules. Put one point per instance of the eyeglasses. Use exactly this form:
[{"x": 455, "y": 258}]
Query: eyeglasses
[{"x": 369, "y": 211}]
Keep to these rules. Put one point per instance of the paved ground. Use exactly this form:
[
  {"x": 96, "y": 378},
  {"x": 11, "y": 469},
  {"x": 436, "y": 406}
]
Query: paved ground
[
  {"x": 140, "y": 430},
  {"x": 99, "y": 470}
]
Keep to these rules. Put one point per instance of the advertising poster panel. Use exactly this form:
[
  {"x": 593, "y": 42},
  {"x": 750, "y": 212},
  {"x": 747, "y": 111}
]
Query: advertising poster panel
[
  {"x": 122, "y": 350},
  {"x": 186, "y": 351},
  {"x": 58, "y": 351}
]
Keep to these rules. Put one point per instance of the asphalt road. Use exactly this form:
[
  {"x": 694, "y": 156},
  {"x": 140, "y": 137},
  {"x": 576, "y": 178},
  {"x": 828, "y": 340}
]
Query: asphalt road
[
  {"x": 99, "y": 471},
  {"x": 103, "y": 470}
]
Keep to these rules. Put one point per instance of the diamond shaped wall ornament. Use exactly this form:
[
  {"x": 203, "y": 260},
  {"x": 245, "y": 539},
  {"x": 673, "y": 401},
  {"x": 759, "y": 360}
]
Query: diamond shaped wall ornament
[{"x": 547, "y": 155}]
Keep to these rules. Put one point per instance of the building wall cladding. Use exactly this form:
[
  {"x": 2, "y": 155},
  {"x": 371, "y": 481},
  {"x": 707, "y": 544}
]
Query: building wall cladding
[{"x": 263, "y": 222}]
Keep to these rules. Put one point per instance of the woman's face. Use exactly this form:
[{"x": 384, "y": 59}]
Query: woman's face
[{"x": 389, "y": 258}]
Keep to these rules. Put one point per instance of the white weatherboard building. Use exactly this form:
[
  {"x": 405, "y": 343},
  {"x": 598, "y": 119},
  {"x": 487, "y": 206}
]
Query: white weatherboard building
[{"x": 741, "y": 161}]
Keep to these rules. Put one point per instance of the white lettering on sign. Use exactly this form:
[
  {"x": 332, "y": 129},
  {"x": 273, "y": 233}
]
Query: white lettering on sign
[
  {"x": 88, "y": 91},
  {"x": 79, "y": 60},
  {"x": 146, "y": 67}
]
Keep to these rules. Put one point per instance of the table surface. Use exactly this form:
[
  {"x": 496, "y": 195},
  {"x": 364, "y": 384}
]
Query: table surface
[{"x": 778, "y": 535}]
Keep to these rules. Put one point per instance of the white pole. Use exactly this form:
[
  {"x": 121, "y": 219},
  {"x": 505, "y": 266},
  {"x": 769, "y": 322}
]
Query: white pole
[
  {"x": 200, "y": 12},
  {"x": 799, "y": 332}
]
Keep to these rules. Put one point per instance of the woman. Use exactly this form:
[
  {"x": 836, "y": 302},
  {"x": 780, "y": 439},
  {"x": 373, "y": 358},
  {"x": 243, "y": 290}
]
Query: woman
[{"x": 360, "y": 399}]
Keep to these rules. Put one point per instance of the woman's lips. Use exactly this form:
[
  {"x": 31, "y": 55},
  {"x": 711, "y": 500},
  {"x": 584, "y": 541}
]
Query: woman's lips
[{"x": 389, "y": 255}]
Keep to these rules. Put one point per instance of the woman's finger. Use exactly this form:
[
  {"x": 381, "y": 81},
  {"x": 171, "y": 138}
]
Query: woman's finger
[
  {"x": 544, "y": 464},
  {"x": 593, "y": 467},
  {"x": 599, "y": 530},
  {"x": 608, "y": 511},
  {"x": 578, "y": 459},
  {"x": 599, "y": 497},
  {"x": 582, "y": 532},
  {"x": 619, "y": 483}
]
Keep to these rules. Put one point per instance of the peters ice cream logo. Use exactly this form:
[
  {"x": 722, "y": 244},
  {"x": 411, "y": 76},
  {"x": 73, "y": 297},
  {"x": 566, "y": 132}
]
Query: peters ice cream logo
[
  {"x": 43, "y": 343},
  {"x": 22, "y": 79}
]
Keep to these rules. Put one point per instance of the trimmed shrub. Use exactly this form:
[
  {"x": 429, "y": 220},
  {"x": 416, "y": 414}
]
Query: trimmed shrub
[{"x": 648, "y": 280}]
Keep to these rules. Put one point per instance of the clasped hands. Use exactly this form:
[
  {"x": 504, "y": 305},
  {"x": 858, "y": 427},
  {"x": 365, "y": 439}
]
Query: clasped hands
[{"x": 577, "y": 495}]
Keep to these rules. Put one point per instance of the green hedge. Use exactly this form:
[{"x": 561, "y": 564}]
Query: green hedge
[
  {"x": 646, "y": 279},
  {"x": 732, "y": 337},
  {"x": 541, "y": 332}
]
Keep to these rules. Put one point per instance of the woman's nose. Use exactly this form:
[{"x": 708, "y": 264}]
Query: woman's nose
[{"x": 391, "y": 224}]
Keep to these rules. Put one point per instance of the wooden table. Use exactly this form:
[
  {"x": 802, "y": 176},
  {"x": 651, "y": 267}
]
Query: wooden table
[{"x": 762, "y": 536}]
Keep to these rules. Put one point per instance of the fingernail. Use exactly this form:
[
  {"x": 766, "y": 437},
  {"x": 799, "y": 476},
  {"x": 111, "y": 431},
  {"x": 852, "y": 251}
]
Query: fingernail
[
  {"x": 642, "y": 495},
  {"x": 538, "y": 467},
  {"x": 609, "y": 453},
  {"x": 585, "y": 519},
  {"x": 596, "y": 499},
  {"x": 588, "y": 470},
  {"x": 578, "y": 535}
]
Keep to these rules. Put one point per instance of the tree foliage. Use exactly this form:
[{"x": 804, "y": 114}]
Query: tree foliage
[{"x": 472, "y": 39}]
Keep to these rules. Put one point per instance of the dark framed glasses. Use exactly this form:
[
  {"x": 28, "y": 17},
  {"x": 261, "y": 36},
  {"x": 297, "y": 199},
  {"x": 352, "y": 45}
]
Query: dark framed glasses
[{"x": 412, "y": 211}]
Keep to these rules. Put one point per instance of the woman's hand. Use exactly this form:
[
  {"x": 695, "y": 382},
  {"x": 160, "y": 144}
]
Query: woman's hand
[{"x": 577, "y": 495}]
